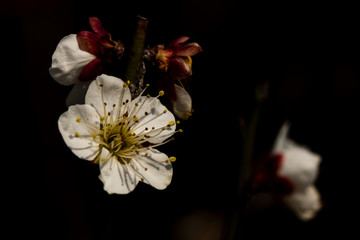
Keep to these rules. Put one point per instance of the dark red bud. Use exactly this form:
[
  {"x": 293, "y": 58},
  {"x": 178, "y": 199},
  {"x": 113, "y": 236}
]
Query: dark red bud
[
  {"x": 92, "y": 70},
  {"x": 98, "y": 28},
  {"x": 89, "y": 42},
  {"x": 189, "y": 49},
  {"x": 180, "y": 68},
  {"x": 178, "y": 41}
]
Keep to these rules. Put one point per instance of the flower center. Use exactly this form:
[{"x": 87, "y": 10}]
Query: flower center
[
  {"x": 118, "y": 139},
  {"x": 127, "y": 131}
]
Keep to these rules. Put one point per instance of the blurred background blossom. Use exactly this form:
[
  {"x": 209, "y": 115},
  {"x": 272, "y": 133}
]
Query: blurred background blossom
[{"x": 308, "y": 53}]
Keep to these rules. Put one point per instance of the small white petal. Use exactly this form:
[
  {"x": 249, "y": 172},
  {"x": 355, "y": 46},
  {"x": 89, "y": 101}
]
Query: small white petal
[
  {"x": 305, "y": 204},
  {"x": 112, "y": 88},
  {"x": 154, "y": 168},
  {"x": 300, "y": 165},
  {"x": 77, "y": 93},
  {"x": 117, "y": 178},
  {"x": 76, "y": 134},
  {"x": 183, "y": 104},
  {"x": 153, "y": 115},
  {"x": 281, "y": 137},
  {"x": 68, "y": 61}
]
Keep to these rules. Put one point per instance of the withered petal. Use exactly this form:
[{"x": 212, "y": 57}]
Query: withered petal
[{"x": 189, "y": 49}]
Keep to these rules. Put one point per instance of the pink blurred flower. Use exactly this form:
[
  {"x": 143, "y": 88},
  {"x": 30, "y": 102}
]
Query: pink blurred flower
[
  {"x": 290, "y": 174},
  {"x": 300, "y": 167}
]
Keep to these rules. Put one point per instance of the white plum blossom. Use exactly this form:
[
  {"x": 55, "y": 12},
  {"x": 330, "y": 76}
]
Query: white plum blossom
[
  {"x": 300, "y": 167},
  {"x": 80, "y": 58},
  {"x": 120, "y": 134},
  {"x": 68, "y": 61}
]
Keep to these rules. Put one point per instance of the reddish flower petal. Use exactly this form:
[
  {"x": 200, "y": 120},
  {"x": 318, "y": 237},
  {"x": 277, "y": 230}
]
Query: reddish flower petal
[
  {"x": 91, "y": 70},
  {"x": 189, "y": 49},
  {"x": 177, "y": 41},
  {"x": 163, "y": 58},
  {"x": 98, "y": 28},
  {"x": 276, "y": 161},
  {"x": 89, "y": 42},
  {"x": 180, "y": 68}
]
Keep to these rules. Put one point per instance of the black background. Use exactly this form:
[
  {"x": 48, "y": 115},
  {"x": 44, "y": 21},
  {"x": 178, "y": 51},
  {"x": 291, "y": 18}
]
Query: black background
[{"x": 308, "y": 53}]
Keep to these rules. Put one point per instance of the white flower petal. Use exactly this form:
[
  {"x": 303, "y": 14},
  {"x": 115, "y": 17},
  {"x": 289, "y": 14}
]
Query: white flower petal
[
  {"x": 117, "y": 178},
  {"x": 154, "y": 169},
  {"x": 300, "y": 165},
  {"x": 77, "y": 93},
  {"x": 77, "y": 134},
  {"x": 113, "y": 91},
  {"x": 305, "y": 204},
  {"x": 281, "y": 138},
  {"x": 154, "y": 116},
  {"x": 68, "y": 61},
  {"x": 183, "y": 104}
]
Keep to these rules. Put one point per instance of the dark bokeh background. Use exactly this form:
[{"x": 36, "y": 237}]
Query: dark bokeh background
[{"x": 309, "y": 54}]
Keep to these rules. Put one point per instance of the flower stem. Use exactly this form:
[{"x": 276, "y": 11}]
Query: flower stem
[
  {"x": 136, "y": 50},
  {"x": 236, "y": 220},
  {"x": 242, "y": 198},
  {"x": 248, "y": 148}
]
